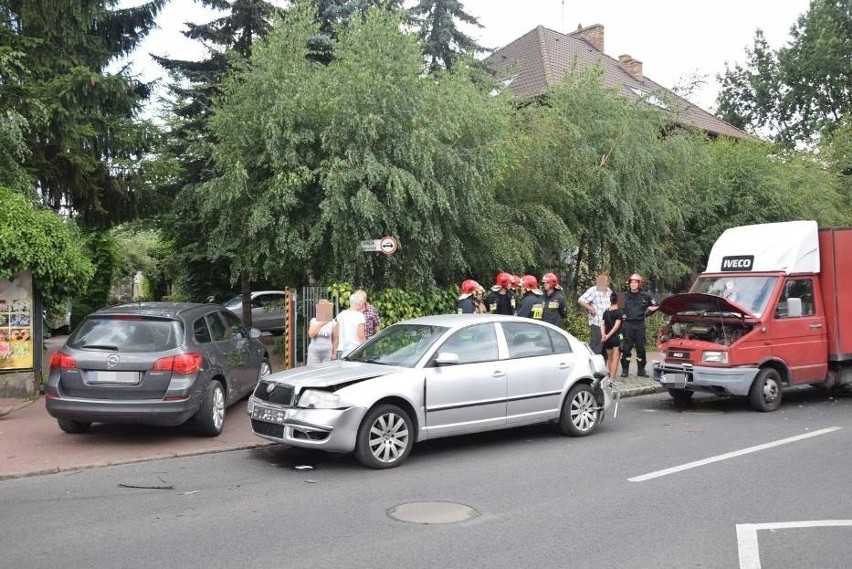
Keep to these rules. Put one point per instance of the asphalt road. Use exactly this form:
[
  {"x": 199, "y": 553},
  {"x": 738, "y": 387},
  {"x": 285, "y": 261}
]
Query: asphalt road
[{"x": 543, "y": 500}]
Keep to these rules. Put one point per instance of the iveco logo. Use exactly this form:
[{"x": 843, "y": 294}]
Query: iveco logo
[
  {"x": 270, "y": 387},
  {"x": 737, "y": 263},
  {"x": 112, "y": 360}
]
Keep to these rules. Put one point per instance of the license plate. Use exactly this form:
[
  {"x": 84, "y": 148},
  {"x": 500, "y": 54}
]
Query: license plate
[
  {"x": 673, "y": 379},
  {"x": 277, "y": 416},
  {"x": 123, "y": 377}
]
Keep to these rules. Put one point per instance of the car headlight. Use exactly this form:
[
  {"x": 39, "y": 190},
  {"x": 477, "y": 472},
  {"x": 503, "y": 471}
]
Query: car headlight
[
  {"x": 315, "y": 399},
  {"x": 715, "y": 357}
]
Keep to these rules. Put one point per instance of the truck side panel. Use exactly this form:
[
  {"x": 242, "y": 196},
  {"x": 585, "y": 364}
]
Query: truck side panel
[{"x": 836, "y": 267}]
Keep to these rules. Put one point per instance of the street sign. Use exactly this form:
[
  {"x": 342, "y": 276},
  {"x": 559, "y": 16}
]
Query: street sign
[
  {"x": 371, "y": 245},
  {"x": 388, "y": 245}
]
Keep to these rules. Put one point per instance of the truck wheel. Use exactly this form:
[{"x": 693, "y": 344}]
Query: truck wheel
[
  {"x": 681, "y": 395},
  {"x": 765, "y": 392}
]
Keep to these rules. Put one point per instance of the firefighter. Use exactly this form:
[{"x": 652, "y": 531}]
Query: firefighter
[
  {"x": 638, "y": 304},
  {"x": 532, "y": 301},
  {"x": 467, "y": 303},
  {"x": 555, "y": 307},
  {"x": 501, "y": 299}
]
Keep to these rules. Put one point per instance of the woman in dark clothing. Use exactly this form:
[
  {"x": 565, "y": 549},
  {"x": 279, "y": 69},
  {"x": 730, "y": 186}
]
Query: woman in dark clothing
[{"x": 611, "y": 334}]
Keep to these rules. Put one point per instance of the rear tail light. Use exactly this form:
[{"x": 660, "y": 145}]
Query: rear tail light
[
  {"x": 62, "y": 361},
  {"x": 184, "y": 364}
]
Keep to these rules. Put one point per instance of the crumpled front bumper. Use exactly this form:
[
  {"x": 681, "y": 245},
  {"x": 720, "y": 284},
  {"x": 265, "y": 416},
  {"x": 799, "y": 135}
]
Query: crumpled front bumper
[
  {"x": 719, "y": 380},
  {"x": 333, "y": 430}
]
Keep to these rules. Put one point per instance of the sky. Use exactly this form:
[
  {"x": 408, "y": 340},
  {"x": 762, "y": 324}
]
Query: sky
[{"x": 672, "y": 38}]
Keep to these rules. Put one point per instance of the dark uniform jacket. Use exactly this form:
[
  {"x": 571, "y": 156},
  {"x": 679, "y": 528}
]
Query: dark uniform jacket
[
  {"x": 532, "y": 306},
  {"x": 467, "y": 305},
  {"x": 555, "y": 308},
  {"x": 501, "y": 303},
  {"x": 636, "y": 305}
]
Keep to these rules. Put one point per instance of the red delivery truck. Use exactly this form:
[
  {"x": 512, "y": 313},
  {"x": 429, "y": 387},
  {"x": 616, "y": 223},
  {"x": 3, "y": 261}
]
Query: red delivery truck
[{"x": 772, "y": 310}]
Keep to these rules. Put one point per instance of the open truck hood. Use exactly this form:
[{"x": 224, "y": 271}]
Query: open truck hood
[{"x": 700, "y": 303}]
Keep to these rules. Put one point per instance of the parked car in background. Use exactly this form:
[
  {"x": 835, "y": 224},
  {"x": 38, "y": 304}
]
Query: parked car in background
[
  {"x": 155, "y": 363},
  {"x": 434, "y": 377},
  {"x": 268, "y": 312}
]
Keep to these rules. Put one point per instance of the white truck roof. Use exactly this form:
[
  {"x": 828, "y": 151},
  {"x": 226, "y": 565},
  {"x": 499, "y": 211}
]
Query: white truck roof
[{"x": 790, "y": 246}]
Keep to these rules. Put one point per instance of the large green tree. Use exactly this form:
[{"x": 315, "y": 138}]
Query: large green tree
[
  {"x": 802, "y": 90},
  {"x": 82, "y": 135},
  {"x": 442, "y": 40}
]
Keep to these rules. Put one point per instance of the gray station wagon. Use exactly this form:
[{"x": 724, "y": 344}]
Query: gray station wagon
[{"x": 155, "y": 363}]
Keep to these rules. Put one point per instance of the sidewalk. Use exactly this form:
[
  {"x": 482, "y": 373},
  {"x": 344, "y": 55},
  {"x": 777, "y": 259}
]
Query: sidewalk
[{"x": 31, "y": 442}]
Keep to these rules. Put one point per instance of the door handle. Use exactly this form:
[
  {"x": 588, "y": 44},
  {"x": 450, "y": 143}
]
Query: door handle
[
  {"x": 816, "y": 326},
  {"x": 563, "y": 365},
  {"x": 498, "y": 374}
]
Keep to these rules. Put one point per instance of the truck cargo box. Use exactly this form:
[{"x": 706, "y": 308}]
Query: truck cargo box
[{"x": 835, "y": 247}]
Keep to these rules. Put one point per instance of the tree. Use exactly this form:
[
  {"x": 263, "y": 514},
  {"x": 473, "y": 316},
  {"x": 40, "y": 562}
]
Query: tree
[
  {"x": 801, "y": 90},
  {"x": 83, "y": 138},
  {"x": 443, "y": 42}
]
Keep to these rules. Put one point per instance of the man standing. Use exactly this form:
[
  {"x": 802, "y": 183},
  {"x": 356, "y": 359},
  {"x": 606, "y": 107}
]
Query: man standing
[
  {"x": 467, "y": 303},
  {"x": 555, "y": 307},
  {"x": 532, "y": 302},
  {"x": 501, "y": 299},
  {"x": 372, "y": 319},
  {"x": 595, "y": 301},
  {"x": 638, "y": 304}
]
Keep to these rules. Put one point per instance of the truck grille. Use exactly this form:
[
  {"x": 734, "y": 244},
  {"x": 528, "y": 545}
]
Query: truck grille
[
  {"x": 275, "y": 393},
  {"x": 678, "y": 355},
  {"x": 268, "y": 429}
]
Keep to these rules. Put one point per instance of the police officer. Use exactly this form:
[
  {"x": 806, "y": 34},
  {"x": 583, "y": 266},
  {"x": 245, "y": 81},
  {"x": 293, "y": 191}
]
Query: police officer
[
  {"x": 555, "y": 307},
  {"x": 637, "y": 305},
  {"x": 501, "y": 299},
  {"x": 532, "y": 302},
  {"x": 467, "y": 303}
]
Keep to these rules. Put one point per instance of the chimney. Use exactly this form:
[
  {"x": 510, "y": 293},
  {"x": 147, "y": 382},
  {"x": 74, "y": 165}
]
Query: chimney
[
  {"x": 632, "y": 66},
  {"x": 593, "y": 34}
]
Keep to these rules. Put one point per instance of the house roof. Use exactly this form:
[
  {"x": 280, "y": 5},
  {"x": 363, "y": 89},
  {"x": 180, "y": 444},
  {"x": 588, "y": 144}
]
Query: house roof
[{"x": 542, "y": 57}]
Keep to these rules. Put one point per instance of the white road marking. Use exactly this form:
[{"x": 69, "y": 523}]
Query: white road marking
[
  {"x": 728, "y": 455},
  {"x": 747, "y": 537}
]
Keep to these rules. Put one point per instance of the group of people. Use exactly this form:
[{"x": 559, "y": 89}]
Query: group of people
[
  {"x": 614, "y": 332},
  {"x": 334, "y": 338}
]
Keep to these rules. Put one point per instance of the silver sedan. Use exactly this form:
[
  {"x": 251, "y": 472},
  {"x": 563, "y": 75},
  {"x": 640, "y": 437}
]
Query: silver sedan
[{"x": 433, "y": 377}]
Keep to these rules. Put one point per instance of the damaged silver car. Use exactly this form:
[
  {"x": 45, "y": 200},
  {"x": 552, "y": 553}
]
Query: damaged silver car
[{"x": 433, "y": 377}]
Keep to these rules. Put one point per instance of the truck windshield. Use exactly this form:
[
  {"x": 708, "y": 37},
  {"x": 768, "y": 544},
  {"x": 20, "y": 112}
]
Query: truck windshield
[{"x": 751, "y": 293}]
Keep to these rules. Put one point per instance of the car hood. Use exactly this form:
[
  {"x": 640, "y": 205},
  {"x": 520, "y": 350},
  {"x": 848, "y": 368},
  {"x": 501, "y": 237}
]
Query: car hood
[
  {"x": 332, "y": 374},
  {"x": 699, "y": 302}
]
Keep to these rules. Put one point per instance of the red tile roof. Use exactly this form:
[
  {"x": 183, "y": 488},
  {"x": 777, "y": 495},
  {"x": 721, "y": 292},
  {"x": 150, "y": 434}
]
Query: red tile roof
[{"x": 542, "y": 57}]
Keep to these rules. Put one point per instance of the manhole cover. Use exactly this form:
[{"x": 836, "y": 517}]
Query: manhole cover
[{"x": 432, "y": 512}]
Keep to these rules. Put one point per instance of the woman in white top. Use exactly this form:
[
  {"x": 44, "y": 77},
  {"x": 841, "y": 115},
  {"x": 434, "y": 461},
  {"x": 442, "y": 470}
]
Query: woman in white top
[
  {"x": 349, "y": 332},
  {"x": 320, "y": 348}
]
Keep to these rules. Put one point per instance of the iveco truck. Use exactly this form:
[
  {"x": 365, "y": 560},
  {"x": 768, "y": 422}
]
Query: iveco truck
[{"x": 772, "y": 310}]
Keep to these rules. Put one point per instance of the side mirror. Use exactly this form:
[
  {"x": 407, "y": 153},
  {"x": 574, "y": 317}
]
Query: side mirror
[
  {"x": 255, "y": 333},
  {"x": 447, "y": 358},
  {"x": 794, "y": 307}
]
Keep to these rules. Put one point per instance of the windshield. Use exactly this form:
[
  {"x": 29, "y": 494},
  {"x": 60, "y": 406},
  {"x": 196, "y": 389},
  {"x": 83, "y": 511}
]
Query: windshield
[
  {"x": 234, "y": 302},
  {"x": 400, "y": 345},
  {"x": 752, "y": 293},
  {"x": 127, "y": 334}
]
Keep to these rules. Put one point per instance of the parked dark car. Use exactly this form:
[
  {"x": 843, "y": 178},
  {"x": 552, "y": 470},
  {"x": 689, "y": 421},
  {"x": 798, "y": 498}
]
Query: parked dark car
[
  {"x": 154, "y": 363},
  {"x": 268, "y": 312}
]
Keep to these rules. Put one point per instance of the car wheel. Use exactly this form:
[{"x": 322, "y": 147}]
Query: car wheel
[
  {"x": 209, "y": 420},
  {"x": 580, "y": 412},
  {"x": 681, "y": 395},
  {"x": 74, "y": 427},
  {"x": 765, "y": 392},
  {"x": 385, "y": 437}
]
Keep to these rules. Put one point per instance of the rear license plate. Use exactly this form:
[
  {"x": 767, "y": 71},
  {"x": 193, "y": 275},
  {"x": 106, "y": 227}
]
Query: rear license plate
[
  {"x": 277, "y": 416},
  {"x": 673, "y": 379},
  {"x": 123, "y": 377}
]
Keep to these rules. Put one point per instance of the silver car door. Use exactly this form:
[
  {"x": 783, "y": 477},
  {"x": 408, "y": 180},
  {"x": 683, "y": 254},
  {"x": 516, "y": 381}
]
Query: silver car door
[
  {"x": 469, "y": 395},
  {"x": 539, "y": 366}
]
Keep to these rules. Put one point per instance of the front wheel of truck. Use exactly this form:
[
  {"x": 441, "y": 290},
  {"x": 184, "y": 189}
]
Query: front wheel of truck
[{"x": 765, "y": 392}]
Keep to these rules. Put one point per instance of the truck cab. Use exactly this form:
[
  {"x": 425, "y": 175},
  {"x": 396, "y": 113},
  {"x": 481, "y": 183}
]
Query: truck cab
[{"x": 758, "y": 319}]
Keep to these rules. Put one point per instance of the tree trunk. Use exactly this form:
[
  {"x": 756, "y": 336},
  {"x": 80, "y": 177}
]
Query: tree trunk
[{"x": 245, "y": 290}]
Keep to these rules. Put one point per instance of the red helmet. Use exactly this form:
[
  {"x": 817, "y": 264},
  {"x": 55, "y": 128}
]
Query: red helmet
[
  {"x": 469, "y": 286},
  {"x": 529, "y": 282},
  {"x": 503, "y": 280},
  {"x": 550, "y": 279}
]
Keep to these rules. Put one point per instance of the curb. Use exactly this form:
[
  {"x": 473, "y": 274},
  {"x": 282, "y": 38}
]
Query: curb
[
  {"x": 23, "y": 404},
  {"x": 644, "y": 390}
]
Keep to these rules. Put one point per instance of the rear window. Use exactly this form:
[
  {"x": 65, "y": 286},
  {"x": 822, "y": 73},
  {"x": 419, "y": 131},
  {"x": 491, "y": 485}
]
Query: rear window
[{"x": 123, "y": 334}]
